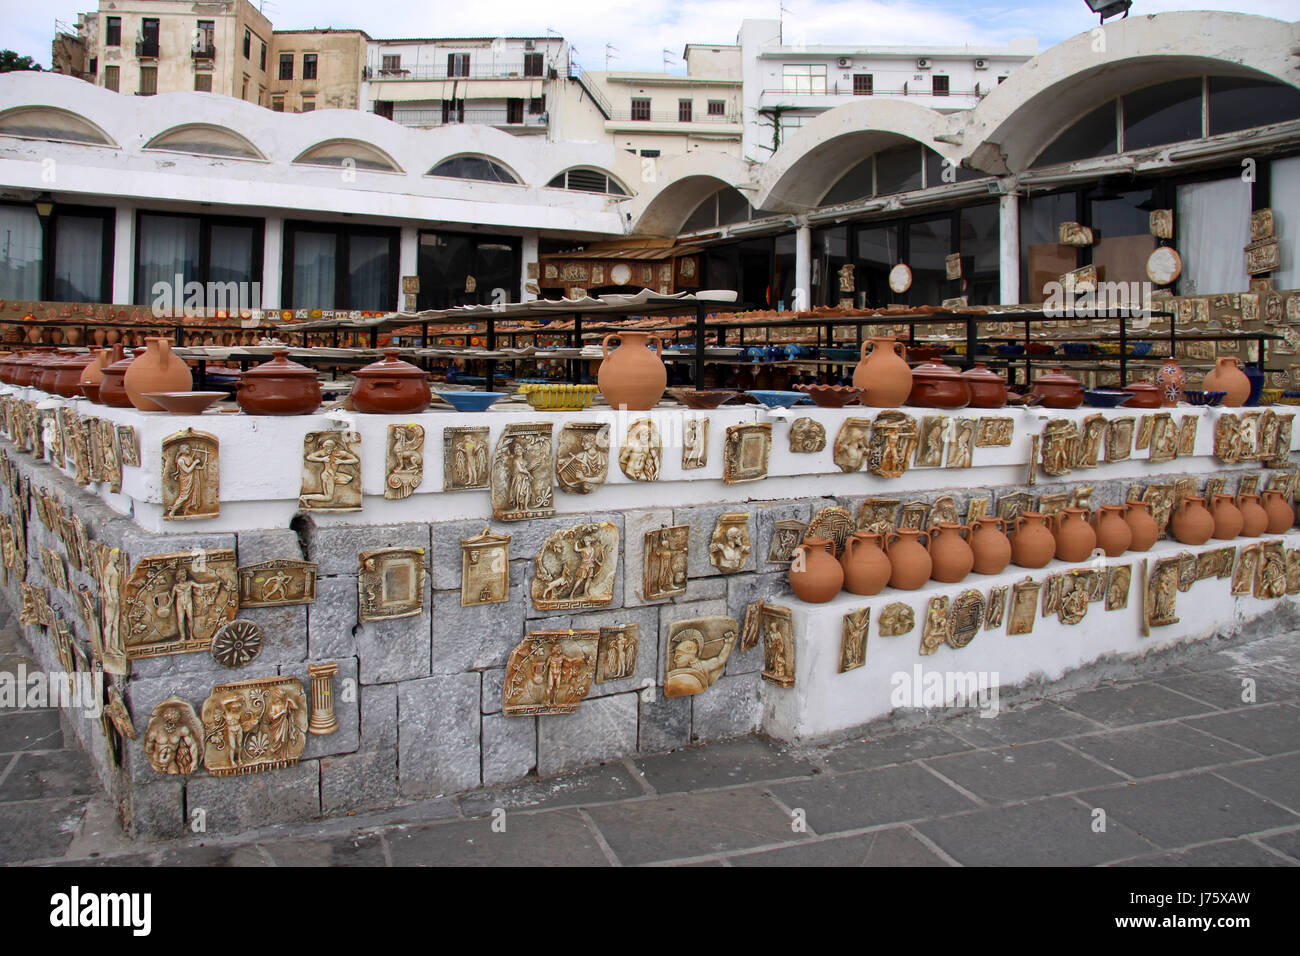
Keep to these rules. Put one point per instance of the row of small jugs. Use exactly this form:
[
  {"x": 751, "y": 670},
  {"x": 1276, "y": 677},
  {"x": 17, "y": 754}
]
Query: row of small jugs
[{"x": 906, "y": 559}]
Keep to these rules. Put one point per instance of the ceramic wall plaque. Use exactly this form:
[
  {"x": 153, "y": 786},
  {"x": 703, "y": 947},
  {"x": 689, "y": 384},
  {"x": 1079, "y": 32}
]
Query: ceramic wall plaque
[
  {"x": 575, "y": 568},
  {"x": 403, "y": 460},
  {"x": 996, "y": 609},
  {"x": 1119, "y": 439},
  {"x": 1053, "y": 503},
  {"x": 1263, "y": 255},
  {"x": 897, "y": 619},
  {"x": 1118, "y": 581},
  {"x": 665, "y": 562},
  {"x": 977, "y": 507},
  {"x": 994, "y": 432},
  {"x": 1094, "y": 430},
  {"x": 111, "y": 456},
  {"x": 1160, "y": 499},
  {"x": 778, "y": 646},
  {"x": 943, "y": 510},
  {"x": 697, "y": 654},
  {"x": 550, "y": 672},
  {"x": 331, "y": 476},
  {"x": 850, "y": 449},
  {"x": 1187, "y": 434},
  {"x": 1076, "y": 588},
  {"x": 1024, "y": 606},
  {"x": 174, "y": 603},
  {"x": 807, "y": 435},
  {"x": 853, "y": 640},
  {"x": 1161, "y": 223},
  {"x": 912, "y": 515},
  {"x": 894, "y": 436},
  {"x": 75, "y": 446},
  {"x": 109, "y": 571},
  {"x": 116, "y": 710},
  {"x": 522, "y": 473},
  {"x": 787, "y": 535},
  {"x": 729, "y": 546},
  {"x": 484, "y": 569},
  {"x": 173, "y": 740},
  {"x": 323, "y": 720},
  {"x": 277, "y": 582},
  {"x": 237, "y": 644},
  {"x": 465, "y": 458},
  {"x": 1261, "y": 224},
  {"x": 1035, "y": 452},
  {"x": 1012, "y": 505},
  {"x": 1270, "y": 575},
  {"x": 1293, "y": 571},
  {"x": 128, "y": 446},
  {"x": 878, "y": 515},
  {"x": 965, "y": 618},
  {"x": 390, "y": 583},
  {"x": 961, "y": 447},
  {"x": 616, "y": 659},
  {"x": 1164, "y": 439},
  {"x": 254, "y": 725},
  {"x": 695, "y": 443},
  {"x": 934, "y": 431},
  {"x": 582, "y": 456},
  {"x": 835, "y": 523},
  {"x": 641, "y": 456},
  {"x": 1161, "y": 601},
  {"x": 1075, "y": 234},
  {"x": 1247, "y": 565},
  {"x": 1060, "y": 447},
  {"x": 747, "y": 451},
  {"x": 937, "y": 628},
  {"x": 752, "y": 627},
  {"x": 190, "y": 476},
  {"x": 1052, "y": 586},
  {"x": 1248, "y": 485}
]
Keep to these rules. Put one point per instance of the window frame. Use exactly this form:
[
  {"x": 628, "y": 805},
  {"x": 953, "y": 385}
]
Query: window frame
[
  {"x": 113, "y": 31},
  {"x": 685, "y": 110},
  {"x": 342, "y": 264},
  {"x": 206, "y": 222},
  {"x": 867, "y": 86},
  {"x": 309, "y": 60},
  {"x": 458, "y": 65},
  {"x": 287, "y": 59},
  {"x": 49, "y": 243},
  {"x": 641, "y": 109},
  {"x": 938, "y": 88}
]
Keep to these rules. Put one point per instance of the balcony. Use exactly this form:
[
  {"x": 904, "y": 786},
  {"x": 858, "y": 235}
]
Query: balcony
[
  {"x": 431, "y": 118},
  {"x": 513, "y": 70},
  {"x": 146, "y": 49},
  {"x": 204, "y": 51},
  {"x": 669, "y": 117}
]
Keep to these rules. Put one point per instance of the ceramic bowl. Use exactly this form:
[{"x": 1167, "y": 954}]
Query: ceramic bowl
[
  {"x": 1291, "y": 398},
  {"x": 1270, "y": 396},
  {"x": 471, "y": 401},
  {"x": 830, "y": 396},
  {"x": 185, "y": 403},
  {"x": 1105, "y": 397},
  {"x": 1196, "y": 397},
  {"x": 702, "y": 398},
  {"x": 558, "y": 397},
  {"x": 775, "y": 399}
]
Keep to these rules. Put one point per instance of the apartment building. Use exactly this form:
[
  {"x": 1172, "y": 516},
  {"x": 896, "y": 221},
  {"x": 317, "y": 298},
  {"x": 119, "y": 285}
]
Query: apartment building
[{"x": 317, "y": 69}]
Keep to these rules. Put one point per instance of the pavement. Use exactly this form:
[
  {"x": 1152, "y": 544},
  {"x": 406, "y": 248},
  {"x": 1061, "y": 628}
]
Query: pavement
[{"x": 1170, "y": 768}]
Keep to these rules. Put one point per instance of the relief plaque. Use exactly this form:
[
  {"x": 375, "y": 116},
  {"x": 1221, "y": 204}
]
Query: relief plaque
[
  {"x": 665, "y": 562},
  {"x": 550, "y": 672},
  {"x": 746, "y": 453},
  {"x": 254, "y": 725},
  {"x": 729, "y": 547},
  {"x": 778, "y": 646},
  {"x": 390, "y": 584},
  {"x": 277, "y": 582},
  {"x": 464, "y": 458},
  {"x": 697, "y": 654},
  {"x": 582, "y": 457},
  {"x": 853, "y": 640},
  {"x": 522, "y": 473},
  {"x": 174, "y": 603},
  {"x": 484, "y": 569},
  {"x": 331, "y": 477},
  {"x": 403, "y": 460},
  {"x": 173, "y": 741},
  {"x": 617, "y": 654},
  {"x": 641, "y": 456},
  {"x": 575, "y": 568}
]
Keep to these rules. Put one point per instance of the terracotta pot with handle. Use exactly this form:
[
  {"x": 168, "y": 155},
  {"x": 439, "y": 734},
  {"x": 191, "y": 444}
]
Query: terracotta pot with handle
[
  {"x": 1137, "y": 515},
  {"x": 951, "y": 556},
  {"x": 1228, "y": 519},
  {"x": 112, "y": 388},
  {"x": 990, "y": 545},
  {"x": 909, "y": 559},
  {"x": 815, "y": 575},
  {"x": 1192, "y": 522},
  {"x": 1032, "y": 542},
  {"x": 1280, "y": 515},
  {"x": 1075, "y": 539},
  {"x": 1227, "y": 376},
  {"x": 883, "y": 375},
  {"x": 1113, "y": 533},
  {"x": 866, "y": 566},
  {"x": 279, "y": 387},
  {"x": 157, "y": 369},
  {"x": 630, "y": 377},
  {"x": 1254, "y": 519},
  {"x": 391, "y": 387}
]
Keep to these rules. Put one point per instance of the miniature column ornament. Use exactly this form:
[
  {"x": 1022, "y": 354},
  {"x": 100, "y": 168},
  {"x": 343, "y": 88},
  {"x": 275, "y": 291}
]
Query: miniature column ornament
[{"x": 323, "y": 720}]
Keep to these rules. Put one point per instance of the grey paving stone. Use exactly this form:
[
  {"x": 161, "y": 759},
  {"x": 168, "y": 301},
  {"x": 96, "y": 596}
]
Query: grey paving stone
[
  {"x": 1231, "y": 853},
  {"x": 871, "y": 798},
  {"x": 691, "y": 824},
  {"x": 725, "y": 763},
  {"x": 438, "y": 734},
  {"x": 235, "y": 804},
  {"x": 1277, "y": 778},
  {"x": 1023, "y": 772},
  {"x": 39, "y": 776},
  {"x": 1221, "y": 689},
  {"x": 1186, "y": 810},
  {"x": 361, "y": 850},
  {"x": 601, "y": 729},
  {"x": 30, "y": 730},
  {"x": 1263, "y": 728},
  {"x": 1055, "y": 832},
  {"x": 891, "y": 847},
  {"x": 39, "y": 829},
  {"x": 901, "y": 747},
  {"x": 359, "y": 781},
  {"x": 665, "y": 723},
  {"x": 1160, "y": 749},
  {"x": 558, "y": 838},
  {"x": 244, "y": 854},
  {"x": 509, "y": 748},
  {"x": 1138, "y": 703},
  {"x": 609, "y": 783},
  {"x": 1037, "y": 720},
  {"x": 1288, "y": 843},
  {"x": 397, "y": 649}
]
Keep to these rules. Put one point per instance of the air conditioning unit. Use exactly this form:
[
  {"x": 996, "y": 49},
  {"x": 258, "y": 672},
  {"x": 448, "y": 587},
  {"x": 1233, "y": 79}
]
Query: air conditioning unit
[
  {"x": 981, "y": 64},
  {"x": 845, "y": 61},
  {"x": 532, "y": 45},
  {"x": 923, "y": 63}
]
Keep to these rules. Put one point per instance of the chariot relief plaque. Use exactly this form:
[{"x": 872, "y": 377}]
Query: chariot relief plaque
[
  {"x": 894, "y": 436},
  {"x": 174, "y": 603},
  {"x": 575, "y": 568},
  {"x": 550, "y": 672},
  {"x": 835, "y": 523},
  {"x": 937, "y": 626},
  {"x": 850, "y": 450},
  {"x": 191, "y": 486},
  {"x": 965, "y": 618},
  {"x": 778, "y": 646},
  {"x": 896, "y": 620},
  {"x": 390, "y": 583},
  {"x": 961, "y": 447},
  {"x": 807, "y": 436},
  {"x": 933, "y": 434},
  {"x": 173, "y": 741},
  {"x": 484, "y": 569},
  {"x": 403, "y": 461},
  {"x": 128, "y": 446},
  {"x": 331, "y": 477},
  {"x": 729, "y": 547},
  {"x": 1119, "y": 439},
  {"x": 697, "y": 654},
  {"x": 617, "y": 655},
  {"x": 254, "y": 725},
  {"x": 665, "y": 562},
  {"x": 1118, "y": 582},
  {"x": 1060, "y": 447},
  {"x": 853, "y": 640},
  {"x": 787, "y": 535},
  {"x": 464, "y": 458},
  {"x": 582, "y": 457},
  {"x": 695, "y": 443},
  {"x": 641, "y": 456},
  {"x": 996, "y": 608},
  {"x": 878, "y": 515},
  {"x": 277, "y": 582},
  {"x": 1024, "y": 606},
  {"x": 522, "y": 473},
  {"x": 746, "y": 453},
  {"x": 994, "y": 432}
]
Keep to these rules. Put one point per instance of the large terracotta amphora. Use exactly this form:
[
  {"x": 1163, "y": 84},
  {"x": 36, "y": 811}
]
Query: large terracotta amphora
[
  {"x": 1192, "y": 522},
  {"x": 1227, "y": 376},
  {"x": 866, "y": 566},
  {"x": 1113, "y": 533},
  {"x": 815, "y": 575},
  {"x": 909, "y": 559},
  {"x": 951, "y": 556},
  {"x": 158, "y": 369},
  {"x": 1075, "y": 539},
  {"x": 1280, "y": 516},
  {"x": 1228, "y": 520},
  {"x": 630, "y": 376},
  {"x": 1137, "y": 515},
  {"x": 1032, "y": 542},
  {"x": 884, "y": 376},
  {"x": 1254, "y": 519},
  {"x": 990, "y": 545}
]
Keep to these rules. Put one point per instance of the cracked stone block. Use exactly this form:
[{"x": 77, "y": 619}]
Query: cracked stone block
[{"x": 477, "y": 636}]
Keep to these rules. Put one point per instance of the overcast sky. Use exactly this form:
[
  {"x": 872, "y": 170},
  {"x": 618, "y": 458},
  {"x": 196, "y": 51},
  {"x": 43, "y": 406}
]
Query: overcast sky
[{"x": 642, "y": 29}]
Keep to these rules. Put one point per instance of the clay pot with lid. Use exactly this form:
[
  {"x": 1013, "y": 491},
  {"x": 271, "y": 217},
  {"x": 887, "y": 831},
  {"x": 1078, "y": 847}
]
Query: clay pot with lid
[
  {"x": 1192, "y": 522},
  {"x": 1227, "y": 376},
  {"x": 25, "y": 368},
  {"x": 391, "y": 387},
  {"x": 1143, "y": 395},
  {"x": 1113, "y": 533},
  {"x": 156, "y": 369},
  {"x": 935, "y": 385},
  {"x": 6, "y": 366},
  {"x": 990, "y": 545},
  {"x": 1075, "y": 539},
  {"x": 279, "y": 387},
  {"x": 815, "y": 575},
  {"x": 1032, "y": 542},
  {"x": 1254, "y": 519},
  {"x": 45, "y": 370},
  {"x": 1058, "y": 390},
  {"x": 988, "y": 389},
  {"x": 1137, "y": 515},
  {"x": 909, "y": 559},
  {"x": 1280, "y": 515},
  {"x": 1228, "y": 519},
  {"x": 866, "y": 566},
  {"x": 631, "y": 377},
  {"x": 67, "y": 376},
  {"x": 951, "y": 557},
  {"x": 883, "y": 374},
  {"x": 112, "y": 387}
]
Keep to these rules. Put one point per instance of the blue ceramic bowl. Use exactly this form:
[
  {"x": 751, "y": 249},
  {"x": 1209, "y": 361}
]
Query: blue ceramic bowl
[
  {"x": 773, "y": 399},
  {"x": 471, "y": 401},
  {"x": 1077, "y": 348},
  {"x": 1196, "y": 397},
  {"x": 1105, "y": 397},
  {"x": 1011, "y": 350},
  {"x": 1140, "y": 348}
]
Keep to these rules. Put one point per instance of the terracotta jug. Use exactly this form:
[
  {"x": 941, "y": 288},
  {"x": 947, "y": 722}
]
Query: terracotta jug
[
  {"x": 1228, "y": 519},
  {"x": 1075, "y": 539},
  {"x": 1032, "y": 543},
  {"x": 866, "y": 566},
  {"x": 815, "y": 575},
  {"x": 1172, "y": 382},
  {"x": 93, "y": 373},
  {"x": 951, "y": 557},
  {"x": 1137, "y": 515},
  {"x": 1113, "y": 533},
  {"x": 883, "y": 376},
  {"x": 1254, "y": 519},
  {"x": 157, "y": 370},
  {"x": 1280, "y": 516},
  {"x": 631, "y": 377},
  {"x": 990, "y": 544},
  {"x": 909, "y": 559},
  {"x": 1227, "y": 376},
  {"x": 1192, "y": 522}
]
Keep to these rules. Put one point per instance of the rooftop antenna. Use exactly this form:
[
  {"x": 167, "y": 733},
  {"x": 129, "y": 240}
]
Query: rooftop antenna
[
  {"x": 611, "y": 53},
  {"x": 668, "y": 55}
]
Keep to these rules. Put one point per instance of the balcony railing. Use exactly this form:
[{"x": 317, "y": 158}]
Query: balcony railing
[
  {"x": 146, "y": 48},
  {"x": 671, "y": 116},
  {"x": 204, "y": 51},
  {"x": 426, "y": 119},
  {"x": 488, "y": 71},
  {"x": 926, "y": 91}
]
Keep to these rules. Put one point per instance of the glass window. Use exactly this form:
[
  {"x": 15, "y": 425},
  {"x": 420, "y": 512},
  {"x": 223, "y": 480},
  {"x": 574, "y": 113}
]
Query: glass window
[
  {"x": 113, "y": 32},
  {"x": 248, "y": 44},
  {"x": 112, "y": 78},
  {"x": 1122, "y": 222},
  {"x": 347, "y": 152},
  {"x": 314, "y": 270},
  {"x": 447, "y": 260},
  {"x": 204, "y": 140},
  {"x": 1239, "y": 103},
  {"x": 148, "y": 80},
  {"x": 533, "y": 64},
  {"x": 877, "y": 253},
  {"x": 21, "y": 255},
  {"x": 981, "y": 253},
  {"x": 830, "y": 251},
  {"x": 514, "y": 110},
  {"x": 340, "y": 267},
  {"x": 309, "y": 66},
  {"x": 939, "y": 85},
  {"x": 233, "y": 252},
  {"x": 937, "y": 173},
  {"x": 804, "y": 78},
  {"x": 392, "y": 63},
  {"x": 458, "y": 64},
  {"x": 203, "y": 82},
  {"x": 1043, "y": 259},
  {"x": 473, "y": 167},
  {"x": 1092, "y": 136},
  {"x": 640, "y": 108},
  {"x": 732, "y": 206},
  {"x": 308, "y": 104},
  {"x": 1209, "y": 216},
  {"x": 1284, "y": 194},
  {"x": 857, "y": 183},
  {"x": 863, "y": 84},
  {"x": 717, "y": 107},
  {"x": 79, "y": 266},
  {"x": 262, "y": 60},
  {"x": 286, "y": 66},
  {"x": 898, "y": 169},
  {"x": 368, "y": 264},
  {"x": 1167, "y": 113},
  {"x": 587, "y": 180},
  {"x": 928, "y": 244},
  {"x": 199, "y": 249},
  {"x": 684, "y": 110},
  {"x": 147, "y": 45},
  {"x": 277, "y": 102},
  {"x": 166, "y": 247}
]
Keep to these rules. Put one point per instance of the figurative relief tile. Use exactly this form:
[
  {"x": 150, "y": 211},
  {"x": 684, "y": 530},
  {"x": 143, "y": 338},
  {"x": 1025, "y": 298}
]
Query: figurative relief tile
[
  {"x": 575, "y": 568},
  {"x": 853, "y": 640},
  {"x": 778, "y": 646},
  {"x": 1049, "y": 505},
  {"x": 118, "y": 714},
  {"x": 1164, "y": 439},
  {"x": 1060, "y": 447},
  {"x": 1094, "y": 429},
  {"x": 1248, "y": 485},
  {"x": 944, "y": 509},
  {"x": 1011, "y": 506},
  {"x": 1143, "y": 438},
  {"x": 237, "y": 644},
  {"x": 1270, "y": 577},
  {"x": 807, "y": 435},
  {"x": 616, "y": 659},
  {"x": 254, "y": 725},
  {"x": 1035, "y": 450},
  {"x": 1187, "y": 435},
  {"x": 697, "y": 654},
  {"x": 729, "y": 547},
  {"x": 582, "y": 457},
  {"x": 787, "y": 535},
  {"x": 751, "y": 630},
  {"x": 850, "y": 450},
  {"x": 331, "y": 477},
  {"x": 933, "y": 435},
  {"x": 894, "y": 437},
  {"x": 173, "y": 741},
  {"x": 994, "y": 432},
  {"x": 550, "y": 672},
  {"x": 175, "y": 603},
  {"x": 191, "y": 486},
  {"x": 1247, "y": 565},
  {"x": 913, "y": 515},
  {"x": 1119, "y": 439},
  {"x": 465, "y": 458},
  {"x": 280, "y": 581},
  {"x": 1024, "y": 606},
  {"x": 111, "y": 456},
  {"x": 1292, "y": 571},
  {"x": 1161, "y": 600},
  {"x": 997, "y": 607},
  {"x": 695, "y": 443},
  {"x": 390, "y": 583},
  {"x": 896, "y": 620},
  {"x": 1118, "y": 582},
  {"x": 937, "y": 627},
  {"x": 835, "y": 523},
  {"x": 109, "y": 570},
  {"x": 522, "y": 473},
  {"x": 878, "y": 515},
  {"x": 746, "y": 454},
  {"x": 128, "y": 446},
  {"x": 403, "y": 461},
  {"x": 665, "y": 562},
  {"x": 484, "y": 569},
  {"x": 1075, "y": 590},
  {"x": 641, "y": 456},
  {"x": 965, "y": 618},
  {"x": 960, "y": 448}
]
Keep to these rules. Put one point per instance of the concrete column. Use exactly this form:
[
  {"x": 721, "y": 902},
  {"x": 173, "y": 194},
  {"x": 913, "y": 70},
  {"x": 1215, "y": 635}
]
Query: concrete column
[
  {"x": 1009, "y": 248},
  {"x": 802, "y": 269},
  {"x": 527, "y": 254},
  {"x": 408, "y": 258},
  {"x": 123, "y": 253},
  {"x": 272, "y": 262}
]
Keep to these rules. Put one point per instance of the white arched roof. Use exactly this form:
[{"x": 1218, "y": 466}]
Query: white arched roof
[{"x": 680, "y": 184}]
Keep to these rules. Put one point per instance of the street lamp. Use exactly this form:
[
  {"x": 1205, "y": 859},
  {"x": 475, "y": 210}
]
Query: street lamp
[
  {"x": 44, "y": 205},
  {"x": 1109, "y": 8}
]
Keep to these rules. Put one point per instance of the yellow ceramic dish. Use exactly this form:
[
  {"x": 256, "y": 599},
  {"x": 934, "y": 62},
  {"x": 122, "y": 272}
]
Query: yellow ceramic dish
[
  {"x": 559, "y": 398},
  {"x": 1270, "y": 396}
]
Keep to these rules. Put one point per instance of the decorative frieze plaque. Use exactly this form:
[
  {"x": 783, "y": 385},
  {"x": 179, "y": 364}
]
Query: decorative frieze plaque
[
  {"x": 191, "y": 486},
  {"x": 464, "y": 458},
  {"x": 173, "y": 741},
  {"x": 582, "y": 456},
  {"x": 403, "y": 461},
  {"x": 254, "y": 725},
  {"x": 778, "y": 646},
  {"x": 280, "y": 581},
  {"x": 697, "y": 654},
  {"x": 175, "y": 603},
  {"x": 575, "y": 568},
  {"x": 331, "y": 477},
  {"x": 484, "y": 569},
  {"x": 853, "y": 640},
  {"x": 995, "y": 432},
  {"x": 746, "y": 453},
  {"x": 390, "y": 583},
  {"x": 550, "y": 672},
  {"x": 665, "y": 562},
  {"x": 522, "y": 473},
  {"x": 961, "y": 446}
]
